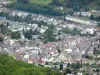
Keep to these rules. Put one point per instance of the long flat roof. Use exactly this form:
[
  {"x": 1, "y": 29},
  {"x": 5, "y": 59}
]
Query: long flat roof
[{"x": 77, "y": 20}]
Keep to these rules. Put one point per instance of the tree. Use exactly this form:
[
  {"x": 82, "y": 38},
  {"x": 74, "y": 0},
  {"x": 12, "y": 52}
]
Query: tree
[
  {"x": 98, "y": 25},
  {"x": 48, "y": 35},
  {"x": 10, "y": 66},
  {"x": 59, "y": 51},
  {"x": 3, "y": 28},
  {"x": 86, "y": 9},
  {"x": 1, "y": 39},
  {"x": 68, "y": 65},
  {"x": 76, "y": 8},
  {"x": 70, "y": 12},
  {"x": 77, "y": 4},
  {"x": 61, "y": 66},
  {"x": 80, "y": 15},
  {"x": 35, "y": 8},
  {"x": 91, "y": 17},
  {"x": 70, "y": 31},
  {"x": 76, "y": 65},
  {"x": 23, "y": 1},
  {"x": 15, "y": 35},
  {"x": 28, "y": 34},
  {"x": 68, "y": 70},
  {"x": 28, "y": 17},
  {"x": 56, "y": 2}
]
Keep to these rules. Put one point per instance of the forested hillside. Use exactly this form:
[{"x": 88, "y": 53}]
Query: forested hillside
[
  {"x": 10, "y": 66},
  {"x": 75, "y": 4},
  {"x": 66, "y": 3},
  {"x": 48, "y": 7},
  {"x": 78, "y": 4}
]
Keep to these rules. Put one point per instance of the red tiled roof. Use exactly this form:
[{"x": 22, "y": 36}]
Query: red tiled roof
[{"x": 49, "y": 45}]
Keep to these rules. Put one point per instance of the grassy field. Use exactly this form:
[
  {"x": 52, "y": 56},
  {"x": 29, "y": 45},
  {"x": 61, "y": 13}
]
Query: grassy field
[{"x": 42, "y": 2}]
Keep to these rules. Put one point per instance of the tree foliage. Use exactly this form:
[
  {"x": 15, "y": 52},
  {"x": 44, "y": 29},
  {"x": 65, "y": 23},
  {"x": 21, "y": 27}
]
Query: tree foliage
[
  {"x": 97, "y": 18},
  {"x": 48, "y": 35},
  {"x": 23, "y": 1},
  {"x": 3, "y": 29},
  {"x": 1, "y": 39},
  {"x": 35, "y": 8},
  {"x": 76, "y": 5},
  {"x": 10, "y": 66},
  {"x": 28, "y": 34},
  {"x": 71, "y": 31},
  {"x": 15, "y": 35},
  {"x": 76, "y": 65}
]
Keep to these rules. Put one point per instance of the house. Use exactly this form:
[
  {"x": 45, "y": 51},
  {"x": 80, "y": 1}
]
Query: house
[
  {"x": 12, "y": 42},
  {"x": 98, "y": 63},
  {"x": 85, "y": 14},
  {"x": 62, "y": 57},
  {"x": 42, "y": 31},
  {"x": 96, "y": 12},
  {"x": 19, "y": 54},
  {"x": 79, "y": 73},
  {"x": 52, "y": 52},
  {"x": 87, "y": 69},
  {"x": 30, "y": 61},
  {"x": 40, "y": 61},
  {"x": 45, "y": 59},
  {"x": 51, "y": 59},
  {"x": 35, "y": 36},
  {"x": 68, "y": 50},
  {"x": 69, "y": 74},
  {"x": 35, "y": 51},
  {"x": 90, "y": 30}
]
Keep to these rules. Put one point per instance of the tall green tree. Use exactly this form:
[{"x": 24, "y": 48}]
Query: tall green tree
[{"x": 15, "y": 35}]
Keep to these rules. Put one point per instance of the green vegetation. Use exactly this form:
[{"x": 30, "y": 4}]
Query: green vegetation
[
  {"x": 76, "y": 65},
  {"x": 36, "y": 8},
  {"x": 16, "y": 18},
  {"x": 28, "y": 34},
  {"x": 41, "y": 2},
  {"x": 71, "y": 31},
  {"x": 76, "y": 5},
  {"x": 68, "y": 70},
  {"x": 15, "y": 35},
  {"x": 95, "y": 4},
  {"x": 10, "y": 66},
  {"x": 48, "y": 7},
  {"x": 4, "y": 29},
  {"x": 1, "y": 39},
  {"x": 23, "y": 1},
  {"x": 97, "y": 18},
  {"x": 13, "y": 18},
  {"x": 48, "y": 35},
  {"x": 97, "y": 52},
  {"x": 94, "y": 66}
]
